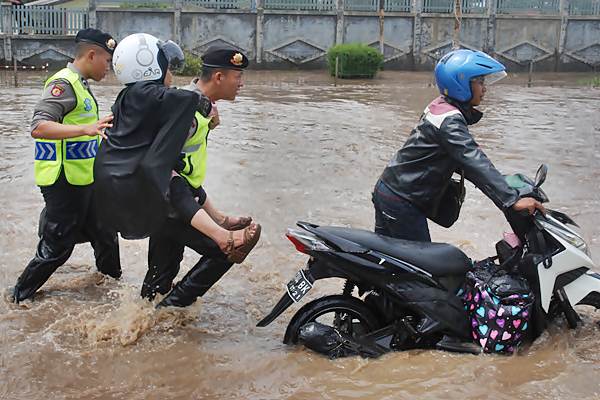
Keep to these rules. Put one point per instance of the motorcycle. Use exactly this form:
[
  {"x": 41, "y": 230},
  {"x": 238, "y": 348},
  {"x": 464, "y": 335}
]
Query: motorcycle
[{"x": 408, "y": 292}]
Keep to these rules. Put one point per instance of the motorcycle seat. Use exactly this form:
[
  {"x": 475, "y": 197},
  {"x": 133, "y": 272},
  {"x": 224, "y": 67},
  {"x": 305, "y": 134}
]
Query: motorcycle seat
[{"x": 439, "y": 259}]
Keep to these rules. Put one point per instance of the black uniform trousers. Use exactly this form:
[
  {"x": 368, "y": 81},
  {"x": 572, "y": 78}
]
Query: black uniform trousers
[
  {"x": 68, "y": 218},
  {"x": 164, "y": 257}
]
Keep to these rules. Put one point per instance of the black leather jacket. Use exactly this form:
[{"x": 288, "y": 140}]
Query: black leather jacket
[{"x": 437, "y": 147}]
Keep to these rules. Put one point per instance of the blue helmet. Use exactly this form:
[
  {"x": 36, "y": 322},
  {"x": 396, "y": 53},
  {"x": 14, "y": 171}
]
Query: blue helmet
[{"x": 454, "y": 71}]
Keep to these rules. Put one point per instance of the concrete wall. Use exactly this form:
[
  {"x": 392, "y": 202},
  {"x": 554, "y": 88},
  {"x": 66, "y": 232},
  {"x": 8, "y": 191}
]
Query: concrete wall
[
  {"x": 201, "y": 30},
  {"x": 300, "y": 39},
  {"x": 122, "y": 23},
  {"x": 297, "y": 40},
  {"x": 582, "y": 46}
]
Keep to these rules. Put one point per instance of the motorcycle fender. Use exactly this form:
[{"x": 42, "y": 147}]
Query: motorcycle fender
[
  {"x": 561, "y": 263},
  {"x": 279, "y": 308},
  {"x": 296, "y": 289},
  {"x": 582, "y": 286}
]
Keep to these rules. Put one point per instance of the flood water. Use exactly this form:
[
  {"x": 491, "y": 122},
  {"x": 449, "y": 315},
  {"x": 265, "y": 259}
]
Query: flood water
[{"x": 292, "y": 147}]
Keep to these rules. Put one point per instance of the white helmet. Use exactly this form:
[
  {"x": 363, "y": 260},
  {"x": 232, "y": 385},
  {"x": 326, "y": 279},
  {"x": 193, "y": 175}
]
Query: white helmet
[{"x": 136, "y": 58}]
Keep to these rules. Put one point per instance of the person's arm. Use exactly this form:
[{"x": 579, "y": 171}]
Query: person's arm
[
  {"x": 58, "y": 99},
  {"x": 462, "y": 147},
  {"x": 55, "y": 130}
]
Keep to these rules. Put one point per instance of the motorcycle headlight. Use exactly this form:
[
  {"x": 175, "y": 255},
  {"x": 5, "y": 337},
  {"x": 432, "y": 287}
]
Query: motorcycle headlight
[{"x": 568, "y": 236}]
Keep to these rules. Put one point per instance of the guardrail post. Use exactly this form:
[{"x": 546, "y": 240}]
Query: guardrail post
[
  {"x": 562, "y": 37},
  {"x": 93, "y": 22},
  {"x": 381, "y": 13},
  {"x": 7, "y": 18},
  {"x": 92, "y": 14},
  {"x": 177, "y": 6},
  {"x": 259, "y": 30},
  {"x": 7, "y": 29},
  {"x": 339, "y": 22},
  {"x": 490, "y": 39},
  {"x": 417, "y": 6}
]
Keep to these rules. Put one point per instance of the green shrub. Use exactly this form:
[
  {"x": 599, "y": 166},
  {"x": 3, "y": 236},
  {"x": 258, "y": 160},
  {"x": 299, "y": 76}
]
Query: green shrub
[
  {"x": 192, "y": 65},
  {"x": 356, "y": 60},
  {"x": 593, "y": 82}
]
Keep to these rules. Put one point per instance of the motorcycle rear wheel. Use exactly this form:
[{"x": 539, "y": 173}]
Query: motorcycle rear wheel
[{"x": 350, "y": 315}]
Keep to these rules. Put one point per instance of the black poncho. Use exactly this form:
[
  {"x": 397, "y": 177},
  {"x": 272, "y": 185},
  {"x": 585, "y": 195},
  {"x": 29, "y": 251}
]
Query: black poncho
[{"x": 133, "y": 166}]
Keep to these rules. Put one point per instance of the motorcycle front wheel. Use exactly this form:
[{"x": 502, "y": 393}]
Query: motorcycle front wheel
[{"x": 345, "y": 313}]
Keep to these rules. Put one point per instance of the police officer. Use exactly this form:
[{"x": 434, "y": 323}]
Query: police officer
[
  {"x": 221, "y": 79},
  {"x": 67, "y": 131}
]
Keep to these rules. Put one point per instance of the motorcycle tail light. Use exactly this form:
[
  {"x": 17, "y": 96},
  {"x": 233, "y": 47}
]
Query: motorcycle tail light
[{"x": 306, "y": 242}]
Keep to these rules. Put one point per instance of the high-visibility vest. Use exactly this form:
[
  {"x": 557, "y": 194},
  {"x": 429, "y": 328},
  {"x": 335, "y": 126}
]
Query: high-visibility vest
[
  {"x": 195, "y": 153},
  {"x": 76, "y": 155}
]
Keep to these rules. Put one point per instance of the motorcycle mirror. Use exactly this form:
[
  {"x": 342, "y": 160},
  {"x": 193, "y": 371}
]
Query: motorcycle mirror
[{"x": 540, "y": 176}]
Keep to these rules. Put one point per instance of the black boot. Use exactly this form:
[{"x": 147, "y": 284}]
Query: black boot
[
  {"x": 196, "y": 282},
  {"x": 48, "y": 258},
  {"x": 158, "y": 281}
]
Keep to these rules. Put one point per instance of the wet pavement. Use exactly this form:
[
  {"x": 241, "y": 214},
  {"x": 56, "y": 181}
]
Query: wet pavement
[{"x": 292, "y": 147}]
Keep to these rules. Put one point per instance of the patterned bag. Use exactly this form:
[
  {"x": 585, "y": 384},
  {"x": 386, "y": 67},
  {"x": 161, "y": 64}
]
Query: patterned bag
[{"x": 499, "y": 305}]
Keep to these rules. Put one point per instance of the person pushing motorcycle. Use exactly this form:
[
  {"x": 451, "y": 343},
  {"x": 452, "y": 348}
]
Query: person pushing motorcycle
[{"x": 414, "y": 185}]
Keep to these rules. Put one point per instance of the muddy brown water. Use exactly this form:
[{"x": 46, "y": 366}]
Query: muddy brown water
[{"x": 292, "y": 147}]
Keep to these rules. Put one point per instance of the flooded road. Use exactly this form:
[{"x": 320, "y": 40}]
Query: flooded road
[{"x": 292, "y": 147}]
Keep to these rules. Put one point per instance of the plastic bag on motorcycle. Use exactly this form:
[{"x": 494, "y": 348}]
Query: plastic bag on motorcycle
[
  {"x": 329, "y": 341},
  {"x": 499, "y": 305}
]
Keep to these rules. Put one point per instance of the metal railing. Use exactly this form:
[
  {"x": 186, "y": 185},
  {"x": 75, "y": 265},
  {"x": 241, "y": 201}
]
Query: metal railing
[
  {"x": 47, "y": 20},
  {"x": 474, "y": 6},
  {"x": 584, "y": 7},
  {"x": 447, "y": 6},
  {"x": 135, "y": 3},
  {"x": 170, "y": 4},
  {"x": 374, "y": 5},
  {"x": 528, "y": 6},
  {"x": 438, "y": 6},
  {"x": 220, "y": 4},
  {"x": 397, "y": 5},
  {"x": 311, "y": 5},
  {"x": 361, "y": 5}
]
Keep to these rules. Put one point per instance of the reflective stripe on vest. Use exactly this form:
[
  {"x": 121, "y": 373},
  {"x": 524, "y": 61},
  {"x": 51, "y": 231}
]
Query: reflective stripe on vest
[
  {"x": 74, "y": 155},
  {"x": 82, "y": 150},
  {"x": 195, "y": 153},
  {"x": 45, "y": 151}
]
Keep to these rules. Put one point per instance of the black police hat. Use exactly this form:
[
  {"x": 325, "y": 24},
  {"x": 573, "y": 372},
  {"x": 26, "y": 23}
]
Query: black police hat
[
  {"x": 97, "y": 37},
  {"x": 224, "y": 57}
]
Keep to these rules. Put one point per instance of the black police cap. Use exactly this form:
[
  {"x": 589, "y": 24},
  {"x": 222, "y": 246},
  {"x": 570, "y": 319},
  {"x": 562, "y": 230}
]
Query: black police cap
[
  {"x": 97, "y": 37},
  {"x": 224, "y": 57}
]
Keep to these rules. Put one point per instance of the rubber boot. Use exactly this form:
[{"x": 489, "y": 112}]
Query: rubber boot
[{"x": 196, "y": 282}]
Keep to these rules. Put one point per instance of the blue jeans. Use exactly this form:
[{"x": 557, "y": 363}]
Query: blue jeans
[{"x": 397, "y": 217}]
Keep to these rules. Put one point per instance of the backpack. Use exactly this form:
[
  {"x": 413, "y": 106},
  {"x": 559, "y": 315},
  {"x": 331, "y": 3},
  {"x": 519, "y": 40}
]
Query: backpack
[{"x": 499, "y": 305}]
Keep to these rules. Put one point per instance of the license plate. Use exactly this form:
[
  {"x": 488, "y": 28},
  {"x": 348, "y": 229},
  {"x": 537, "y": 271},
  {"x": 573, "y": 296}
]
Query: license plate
[{"x": 298, "y": 286}]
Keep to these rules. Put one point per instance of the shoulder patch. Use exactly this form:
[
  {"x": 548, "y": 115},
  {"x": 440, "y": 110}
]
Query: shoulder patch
[
  {"x": 87, "y": 104},
  {"x": 57, "y": 90}
]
